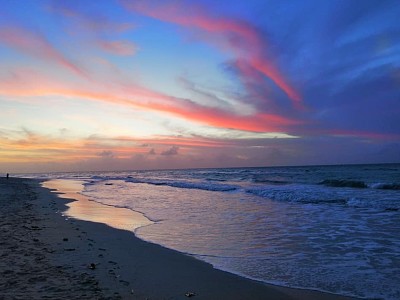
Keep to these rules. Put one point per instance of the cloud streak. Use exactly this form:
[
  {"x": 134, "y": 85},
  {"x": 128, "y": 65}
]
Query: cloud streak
[
  {"x": 141, "y": 98},
  {"x": 123, "y": 48},
  {"x": 95, "y": 28},
  {"x": 241, "y": 38},
  {"x": 36, "y": 44}
]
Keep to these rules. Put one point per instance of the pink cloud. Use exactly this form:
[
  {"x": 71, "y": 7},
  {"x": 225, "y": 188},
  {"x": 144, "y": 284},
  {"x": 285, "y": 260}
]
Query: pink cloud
[
  {"x": 27, "y": 83},
  {"x": 96, "y": 29},
  {"x": 35, "y": 44},
  {"x": 90, "y": 21},
  {"x": 124, "y": 48},
  {"x": 236, "y": 36}
]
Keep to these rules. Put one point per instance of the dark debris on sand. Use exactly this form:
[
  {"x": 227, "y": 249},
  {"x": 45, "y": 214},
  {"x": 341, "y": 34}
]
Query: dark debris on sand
[{"x": 26, "y": 268}]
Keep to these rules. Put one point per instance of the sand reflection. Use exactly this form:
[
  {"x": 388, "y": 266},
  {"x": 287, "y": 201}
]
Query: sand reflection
[{"x": 87, "y": 210}]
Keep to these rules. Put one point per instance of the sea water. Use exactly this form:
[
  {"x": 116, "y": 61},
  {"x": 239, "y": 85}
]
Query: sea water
[{"x": 328, "y": 228}]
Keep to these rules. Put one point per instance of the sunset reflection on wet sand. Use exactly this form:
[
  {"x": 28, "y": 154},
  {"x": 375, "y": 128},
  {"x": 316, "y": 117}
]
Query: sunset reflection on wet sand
[{"x": 84, "y": 209}]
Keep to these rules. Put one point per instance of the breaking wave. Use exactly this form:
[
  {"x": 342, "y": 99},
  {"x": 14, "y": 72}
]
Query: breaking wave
[
  {"x": 359, "y": 184},
  {"x": 207, "y": 186},
  {"x": 308, "y": 194},
  {"x": 344, "y": 183}
]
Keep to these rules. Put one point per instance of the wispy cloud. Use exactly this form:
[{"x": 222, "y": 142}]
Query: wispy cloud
[
  {"x": 95, "y": 28},
  {"x": 36, "y": 44},
  {"x": 124, "y": 48},
  {"x": 141, "y": 98},
  {"x": 242, "y": 39},
  {"x": 88, "y": 18},
  {"x": 24, "y": 145}
]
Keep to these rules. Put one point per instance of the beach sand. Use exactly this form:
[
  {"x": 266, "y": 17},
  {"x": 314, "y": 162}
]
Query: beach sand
[{"x": 45, "y": 255}]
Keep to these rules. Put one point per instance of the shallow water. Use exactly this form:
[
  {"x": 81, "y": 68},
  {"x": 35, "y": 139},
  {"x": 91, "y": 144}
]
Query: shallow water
[
  {"x": 308, "y": 227},
  {"x": 84, "y": 209}
]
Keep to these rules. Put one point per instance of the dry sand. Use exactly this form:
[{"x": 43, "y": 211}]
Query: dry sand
[{"x": 47, "y": 256}]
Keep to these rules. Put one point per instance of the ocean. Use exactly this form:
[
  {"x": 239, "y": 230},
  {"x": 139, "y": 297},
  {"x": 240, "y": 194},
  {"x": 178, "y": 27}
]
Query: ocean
[{"x": 327, "y": 228}]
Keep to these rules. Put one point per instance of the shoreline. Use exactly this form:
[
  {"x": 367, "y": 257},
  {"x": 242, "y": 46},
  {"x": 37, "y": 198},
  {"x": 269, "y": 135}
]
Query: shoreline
[
  {"x": 84, "y": 209},
  {"x": 108, "y": 263}
]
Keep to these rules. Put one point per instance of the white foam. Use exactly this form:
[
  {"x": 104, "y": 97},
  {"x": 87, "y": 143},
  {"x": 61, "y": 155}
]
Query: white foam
[{"x": 205, "y": 185}]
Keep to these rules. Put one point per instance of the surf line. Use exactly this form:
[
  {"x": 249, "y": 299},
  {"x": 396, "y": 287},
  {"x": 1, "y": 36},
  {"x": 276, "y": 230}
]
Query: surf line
[{"x": 84, "y": 209}]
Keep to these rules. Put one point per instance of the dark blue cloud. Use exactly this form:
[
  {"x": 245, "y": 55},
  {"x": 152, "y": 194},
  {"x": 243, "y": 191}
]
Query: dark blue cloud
[{"x": 343, "y": 56}]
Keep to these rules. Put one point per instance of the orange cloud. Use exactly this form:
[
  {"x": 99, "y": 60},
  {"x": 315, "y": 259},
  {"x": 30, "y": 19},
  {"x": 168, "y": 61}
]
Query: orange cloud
[
  {"x": 32, "y": 147},
  {"x": 240, "y": 37},
  {"x": 25, "y": 145},
  {"x": 141, "y": 98},
  {"x": 180, "y": 141},
  {"x": 195, "y": 112},
  {"x": 222, "y": 119}
]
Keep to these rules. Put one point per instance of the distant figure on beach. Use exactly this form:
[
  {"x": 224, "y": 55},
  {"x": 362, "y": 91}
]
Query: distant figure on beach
[{"x": 8, "y": 175}]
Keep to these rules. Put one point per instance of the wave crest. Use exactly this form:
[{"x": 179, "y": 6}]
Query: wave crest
[
  {"x": 207, "y": 186},
  {"x": 344, "y": 183}
]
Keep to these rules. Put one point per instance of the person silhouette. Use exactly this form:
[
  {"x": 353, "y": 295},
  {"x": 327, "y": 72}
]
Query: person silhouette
[{"x": 8, "y": 175}]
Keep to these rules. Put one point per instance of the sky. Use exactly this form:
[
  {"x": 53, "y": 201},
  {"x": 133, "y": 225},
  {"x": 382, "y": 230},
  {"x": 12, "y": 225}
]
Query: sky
[{"x": 126, "y": 85}]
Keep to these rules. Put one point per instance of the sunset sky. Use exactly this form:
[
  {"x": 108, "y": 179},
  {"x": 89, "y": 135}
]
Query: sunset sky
[{"x": 130, "y": 84}]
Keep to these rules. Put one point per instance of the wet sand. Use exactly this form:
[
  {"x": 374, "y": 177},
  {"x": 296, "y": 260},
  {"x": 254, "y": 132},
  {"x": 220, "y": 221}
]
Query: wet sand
[{"x": 45, "y": 255}]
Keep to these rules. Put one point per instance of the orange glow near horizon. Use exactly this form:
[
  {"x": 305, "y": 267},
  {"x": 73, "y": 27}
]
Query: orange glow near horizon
[{"x": 26, "y": 148}]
